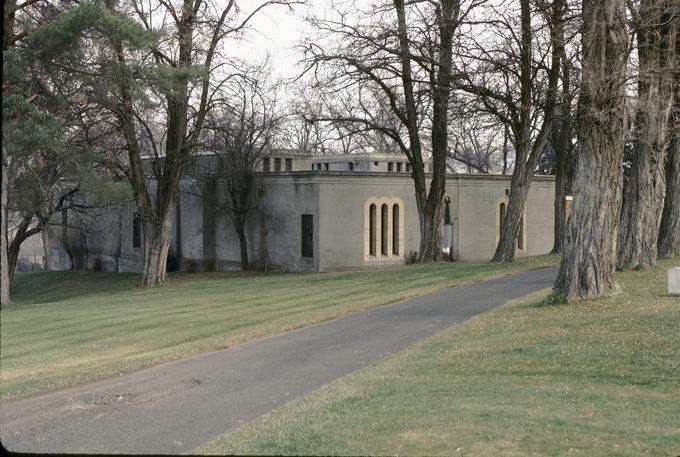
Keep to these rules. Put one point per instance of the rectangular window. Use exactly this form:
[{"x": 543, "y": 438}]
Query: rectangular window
[
  {"x": 289, "y": 164},
  {"x": 325, "y": 166},
  {"x": 318, "y": 166},
  {"x": 399, "y": 167},
  {"x": 136, "y": 231},
  {"x": 307, "y": 235},
  {"x": 277, "y": 164},
  {"x": 390, "y": 166},
  {"x": 265, "y": 164},
  {"x": 350, "y": 166},
  {"x": 408, "y": 167},
  {"x": 376, "y": 163}
]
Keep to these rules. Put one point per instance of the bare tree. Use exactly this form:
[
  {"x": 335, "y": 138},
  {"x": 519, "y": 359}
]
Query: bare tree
[
  {"x": 299, "y": 131},
  {"x": 198, "y": 27},
  {"x": 475, "y": 143},
  {"x": 404, "y": 50},
  {"x": 160, "y": 66},
  {"x": 240, "y": 133},
  {"x": 655, "y": 23},
  {"x": 587, "y": 266},
  {"x": 505, "y": 74}
]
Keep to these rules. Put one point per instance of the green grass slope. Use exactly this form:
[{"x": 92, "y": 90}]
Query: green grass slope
[{"x": 73, "y": 327}]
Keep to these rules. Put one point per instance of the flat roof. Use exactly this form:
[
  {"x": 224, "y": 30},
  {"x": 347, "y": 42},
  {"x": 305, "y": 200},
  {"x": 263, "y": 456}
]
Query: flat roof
[{"x": 396, "y": 174}]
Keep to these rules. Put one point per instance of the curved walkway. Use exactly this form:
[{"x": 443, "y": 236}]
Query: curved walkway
[{"x": 178, "y": 406}]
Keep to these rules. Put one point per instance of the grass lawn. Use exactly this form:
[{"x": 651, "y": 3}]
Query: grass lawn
[
  {"x": 73, "y": 327},
  {"x": 595, "y": 378}
]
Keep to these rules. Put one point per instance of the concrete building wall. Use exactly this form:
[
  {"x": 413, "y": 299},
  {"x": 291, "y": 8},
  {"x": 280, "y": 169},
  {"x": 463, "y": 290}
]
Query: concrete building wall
[
  {"x": 338, "y": 203},
  {"x": 103, "y": 240},
  {"x": 476, "y": 202},
  {"x": 286, "y": 198},
  {"x": 191, "y": 220},
  {"x": 343, "y": 224},
  {"x": 540, "y": 221}
]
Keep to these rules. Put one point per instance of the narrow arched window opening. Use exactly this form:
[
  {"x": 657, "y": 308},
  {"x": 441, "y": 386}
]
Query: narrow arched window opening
[
  {"x": 372, "y": 231},
  {"x": 502, "y": 216},
  {"x": 520, "y": 237},
  {"x": 395, "y": 229},
  {"x": 383, "y": 229}
]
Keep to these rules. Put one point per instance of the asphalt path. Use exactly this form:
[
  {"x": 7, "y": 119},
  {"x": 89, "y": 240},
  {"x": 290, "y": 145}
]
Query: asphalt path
[{"x": 179, "y": 406}]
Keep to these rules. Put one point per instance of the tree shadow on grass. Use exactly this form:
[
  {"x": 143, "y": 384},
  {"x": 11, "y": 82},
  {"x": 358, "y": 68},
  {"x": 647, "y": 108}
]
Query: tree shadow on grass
[{"x": 52, "y": 286}]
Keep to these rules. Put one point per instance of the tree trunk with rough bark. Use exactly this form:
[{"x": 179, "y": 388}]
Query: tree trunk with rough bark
[
  {"x": 587, "y": 266},
  {"x": 669, "y": 230},
  {"x": 156, "y": 248},
  {"x": 519, "y": 189},
  {"x": 4, "y": 261},
  {"x": 644, "y": 190}
]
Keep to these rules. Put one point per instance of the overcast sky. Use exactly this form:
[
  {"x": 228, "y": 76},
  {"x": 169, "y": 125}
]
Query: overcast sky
[{"x": 276, "y": 30}]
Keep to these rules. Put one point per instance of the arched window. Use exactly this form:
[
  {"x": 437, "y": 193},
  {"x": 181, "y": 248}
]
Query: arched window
[
  {"x": 520, "y": 237},
  {"x": 502, "y": 219},
  {"x": 395, "y": 229},
  {"x": 372, "y": 230},
  {"x": 383, "y": 229}
]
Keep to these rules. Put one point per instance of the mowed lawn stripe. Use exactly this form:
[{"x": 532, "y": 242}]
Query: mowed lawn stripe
[{"x": 72, "y": 327}]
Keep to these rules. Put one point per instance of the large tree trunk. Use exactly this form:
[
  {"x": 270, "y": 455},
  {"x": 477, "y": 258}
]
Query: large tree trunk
[
  {"x": 157, "y": 244},
  {"x": 157, "y": 238},
  {"x": 669, "y": 230},
  {"x": 587, "y": 265},
  {"x": 431, "y": 234},
  {"x": 4, "y": 261},
  {"x": 644, "y": 190},
  {"x": 519, "y": 189}
]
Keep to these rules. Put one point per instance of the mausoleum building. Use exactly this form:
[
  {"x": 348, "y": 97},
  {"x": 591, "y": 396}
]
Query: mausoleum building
[{"x": 320, "y": 213}]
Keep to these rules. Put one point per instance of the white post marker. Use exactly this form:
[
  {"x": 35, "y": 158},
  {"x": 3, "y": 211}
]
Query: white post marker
[{"x": 674, "y": 281}]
